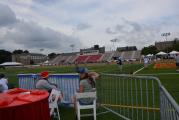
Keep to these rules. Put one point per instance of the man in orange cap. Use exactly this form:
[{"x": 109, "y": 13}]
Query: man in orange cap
[{"x": 44, "y": 84}]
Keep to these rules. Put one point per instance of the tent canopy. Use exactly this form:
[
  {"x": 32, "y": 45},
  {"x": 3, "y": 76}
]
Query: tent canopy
[
  {"x": 161, "y": 53},
  {"x": 149, "y": 55},
  {"x": 174, "y": 52}
]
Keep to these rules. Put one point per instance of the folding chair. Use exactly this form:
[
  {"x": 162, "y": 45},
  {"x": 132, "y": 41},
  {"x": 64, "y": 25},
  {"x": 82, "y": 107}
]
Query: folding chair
[
  {"x": 53, "y": 103},
  {"x": 90, "y": 106}
]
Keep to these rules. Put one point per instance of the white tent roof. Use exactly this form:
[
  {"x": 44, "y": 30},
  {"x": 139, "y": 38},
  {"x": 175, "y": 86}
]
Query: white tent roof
[
  {"x": 10, "y": 63},
  {"x": 161, "y": 53},
  {"x": 174, "y": 52},
  {"x": 149, "y": 55},
  {"x": 46, "y": 62}
]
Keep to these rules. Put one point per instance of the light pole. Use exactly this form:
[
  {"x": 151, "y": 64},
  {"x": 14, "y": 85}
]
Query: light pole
[
  {"x": 166, "y": 35},
  {"x": 113, "y": 42},
  {"x": 72, "y": 47}
]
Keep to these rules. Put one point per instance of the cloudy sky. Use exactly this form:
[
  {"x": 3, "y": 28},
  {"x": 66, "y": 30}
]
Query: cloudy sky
[{"x": 54, "y": 25}]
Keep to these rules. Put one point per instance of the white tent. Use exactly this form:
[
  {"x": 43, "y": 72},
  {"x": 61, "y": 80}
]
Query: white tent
[
  {"x": 149, "y": 55},
  {"x": 161, "y": 53},
  {"x": 174, "y": 52},
  {"x": 46, "y": 62},
  {"x": 10, "y": 64}
]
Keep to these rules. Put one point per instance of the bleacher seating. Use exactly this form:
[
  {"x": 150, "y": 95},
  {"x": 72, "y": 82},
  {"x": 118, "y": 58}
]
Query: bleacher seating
[
  {"x": 71, "y": 59},
  {"x": 94, "y": 58},
  {"x": 55, "y": 61},
  {"x": 107, "y": 56},
  {"x": 82, "y": 58},
  {"x": 126, "y": 55}
]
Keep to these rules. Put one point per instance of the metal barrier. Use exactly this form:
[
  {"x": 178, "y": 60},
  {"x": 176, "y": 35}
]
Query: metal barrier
[
  {"x": 169, "y": 108},
  {"x": 136, "y": 97},
  {"x": 68, "y": 83}
]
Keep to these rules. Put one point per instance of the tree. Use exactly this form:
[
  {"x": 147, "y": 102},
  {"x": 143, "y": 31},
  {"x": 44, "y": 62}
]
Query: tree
[
  {"x": 17, "y": 52},
  {"x": 176, "y": 44},
  {"x": 52, "y": 55},
  {"x": 5, "y": 56},
  {"x": 26, "y": 51},
  {"x": 149, "y": 50}
]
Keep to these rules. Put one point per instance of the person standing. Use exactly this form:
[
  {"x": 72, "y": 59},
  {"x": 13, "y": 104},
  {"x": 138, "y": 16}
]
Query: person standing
[
  {"x": 146, "y": 61},
  {"x": 3, "y": 83},
  {"x": 177, "y": 61},
  {"x": 119, "y": 62}
]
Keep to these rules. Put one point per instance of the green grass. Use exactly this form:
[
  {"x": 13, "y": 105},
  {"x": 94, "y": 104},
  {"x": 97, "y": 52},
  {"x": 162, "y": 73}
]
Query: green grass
[{"x": 169, "y": 81}]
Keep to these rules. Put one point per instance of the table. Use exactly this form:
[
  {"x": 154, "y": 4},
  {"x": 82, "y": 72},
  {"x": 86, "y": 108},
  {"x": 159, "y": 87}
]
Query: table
[{"x": 19, "y": 104}]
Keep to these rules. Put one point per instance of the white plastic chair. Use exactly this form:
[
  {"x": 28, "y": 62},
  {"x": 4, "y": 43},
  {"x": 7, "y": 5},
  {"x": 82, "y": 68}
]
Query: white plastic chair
[
  {"x": 53, "y": 103},
  {"x": 91, "y": 106}
]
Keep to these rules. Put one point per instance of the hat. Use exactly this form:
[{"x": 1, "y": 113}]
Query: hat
[
  {"x": 44, "y": 74},
  {"x": 83, "y": 70}
]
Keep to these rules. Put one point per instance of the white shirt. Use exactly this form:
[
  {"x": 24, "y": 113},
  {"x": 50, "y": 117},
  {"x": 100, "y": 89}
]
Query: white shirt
[
  {"x": 146, "y": 60},
  {"x": 3, "y": 83}
]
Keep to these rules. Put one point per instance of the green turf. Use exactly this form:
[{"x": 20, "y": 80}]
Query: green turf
[{"x": 170, "y": 81}]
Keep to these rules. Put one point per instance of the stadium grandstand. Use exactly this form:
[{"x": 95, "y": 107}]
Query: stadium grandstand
[
  {"x": 97, "y": 54},
  {"x": 127, "y": 48}
]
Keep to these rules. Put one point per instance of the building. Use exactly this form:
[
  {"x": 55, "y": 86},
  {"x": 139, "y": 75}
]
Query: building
[
  {"x": 93, "y": 50},
  {"x": 164, "y": 45},
  {"x": 29, "y": 58},
  {"x": 127, "y": 48}
]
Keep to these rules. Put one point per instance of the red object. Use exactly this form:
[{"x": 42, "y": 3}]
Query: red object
[
  {"x": 16, "y": 90},
  {"x": 44, "y": 74},
  {"x": 24, "y": 105}
]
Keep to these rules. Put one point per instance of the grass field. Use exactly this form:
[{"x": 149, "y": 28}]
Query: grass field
[{"x": 170, "y": 81}]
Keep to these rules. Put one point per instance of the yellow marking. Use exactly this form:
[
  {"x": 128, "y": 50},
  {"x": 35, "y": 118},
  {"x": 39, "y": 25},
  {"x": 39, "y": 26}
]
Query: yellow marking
[{"x": 135, "y": 107}]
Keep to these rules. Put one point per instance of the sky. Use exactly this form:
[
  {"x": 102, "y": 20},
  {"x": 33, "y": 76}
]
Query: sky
[{"x": 56, "y": 25}]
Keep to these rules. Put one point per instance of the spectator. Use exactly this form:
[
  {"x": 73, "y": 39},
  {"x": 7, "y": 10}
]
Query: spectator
[
  {"x": 3, "y": 83},
  {"x": 119, "y": 62},
  {"x": 44, "y": 84},
  {"x": 87, "y": 83},
  {"x": 177, "y": 60},
  {"x": 146, "y": 61}
]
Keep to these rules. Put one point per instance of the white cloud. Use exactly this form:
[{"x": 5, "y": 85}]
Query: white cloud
[
  {"x": 18, "y": 34},
  {"x": 133, "y": 21}
]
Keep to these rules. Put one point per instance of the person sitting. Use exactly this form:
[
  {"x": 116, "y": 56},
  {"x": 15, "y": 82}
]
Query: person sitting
[
  {"x": 44, "y": 84},
  {"x": 3, "y": 83},
  {"x": 87, "y": 84}
]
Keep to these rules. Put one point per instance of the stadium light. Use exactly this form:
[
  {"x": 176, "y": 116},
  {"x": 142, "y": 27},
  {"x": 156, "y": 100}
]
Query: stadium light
[
  {"x": 72, "y": 47},
  {"x": 113, "y": 42},
  {"x": 165, "y": 35}
]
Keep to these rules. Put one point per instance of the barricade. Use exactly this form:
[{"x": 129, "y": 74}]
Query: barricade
[{"x": 136, "y": 97}]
